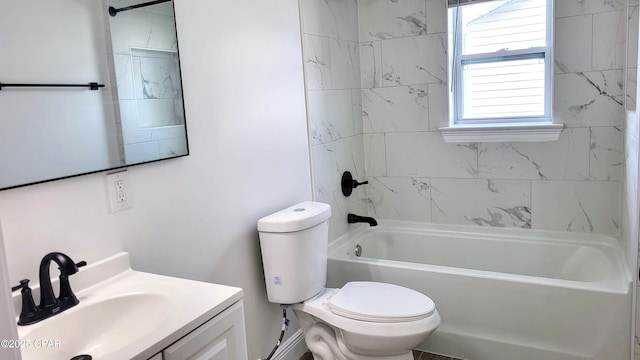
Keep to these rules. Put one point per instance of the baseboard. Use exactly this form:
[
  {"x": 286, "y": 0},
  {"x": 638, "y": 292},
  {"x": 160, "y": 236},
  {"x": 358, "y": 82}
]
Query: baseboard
[{"x": 293, "y": 348}]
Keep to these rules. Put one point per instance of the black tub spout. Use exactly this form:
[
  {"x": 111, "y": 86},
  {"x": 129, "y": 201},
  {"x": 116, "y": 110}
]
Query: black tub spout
[{"x": 353, "y": 218}]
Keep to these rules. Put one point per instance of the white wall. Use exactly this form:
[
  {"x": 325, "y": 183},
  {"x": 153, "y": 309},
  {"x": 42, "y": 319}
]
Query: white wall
[{"x": 195, "y": 217}]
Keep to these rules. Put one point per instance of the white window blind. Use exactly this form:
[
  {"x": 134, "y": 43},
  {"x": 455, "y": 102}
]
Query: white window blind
[{"x": 501, "y": 70}]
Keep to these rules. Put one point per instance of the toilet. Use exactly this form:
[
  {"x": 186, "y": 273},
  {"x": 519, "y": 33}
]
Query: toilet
[{"x": 362, "y": 320}]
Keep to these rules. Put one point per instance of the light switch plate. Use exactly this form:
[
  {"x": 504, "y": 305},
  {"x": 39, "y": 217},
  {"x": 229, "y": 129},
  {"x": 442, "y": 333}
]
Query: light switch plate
[{"x": 119, "y": 191}]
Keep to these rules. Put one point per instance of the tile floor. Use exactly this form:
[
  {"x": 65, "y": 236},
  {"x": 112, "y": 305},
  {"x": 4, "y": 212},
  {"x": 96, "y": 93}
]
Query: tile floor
[{"x": 417, "y": 355}]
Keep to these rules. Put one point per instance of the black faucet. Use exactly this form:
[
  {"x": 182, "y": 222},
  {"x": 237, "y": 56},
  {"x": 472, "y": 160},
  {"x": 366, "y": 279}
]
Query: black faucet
[
  {"x": 49, "y": 304},
  {"x": 353, "y": 218}
]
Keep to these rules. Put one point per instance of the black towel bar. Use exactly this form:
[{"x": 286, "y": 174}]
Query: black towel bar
[
  {"x": 113, "y": 11},
  {"x": 91, "y": 85}
]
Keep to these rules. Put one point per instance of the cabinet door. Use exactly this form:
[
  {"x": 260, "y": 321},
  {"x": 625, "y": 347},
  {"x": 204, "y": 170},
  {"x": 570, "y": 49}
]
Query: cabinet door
[{"x": 221, "y": 338}]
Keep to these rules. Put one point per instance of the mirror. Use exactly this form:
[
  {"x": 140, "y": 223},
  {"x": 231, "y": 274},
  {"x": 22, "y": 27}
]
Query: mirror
[{"x": 64, "y": 127}]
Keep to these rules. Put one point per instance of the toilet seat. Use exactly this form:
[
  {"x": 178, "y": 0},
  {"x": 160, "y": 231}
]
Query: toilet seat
[
  {"x": 400, "y": 330},
  {"x": 380, "y": 302},
  {"x": 318, "y": 306}
]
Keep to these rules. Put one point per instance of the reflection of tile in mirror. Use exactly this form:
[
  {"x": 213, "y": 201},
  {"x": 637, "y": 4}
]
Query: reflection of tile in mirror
[
  {"x": 155, "y": 74},
  {"x": 172, "y": 147},
  {"x": 157, "y": 112},
  {"x": 124, "y": 76},
  {"x": 157, "y": 88},
  {"x": 142, "y": 29}
]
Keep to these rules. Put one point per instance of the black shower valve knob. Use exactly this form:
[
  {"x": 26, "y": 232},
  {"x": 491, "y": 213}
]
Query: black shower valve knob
[{"x": 348, "y": 183}]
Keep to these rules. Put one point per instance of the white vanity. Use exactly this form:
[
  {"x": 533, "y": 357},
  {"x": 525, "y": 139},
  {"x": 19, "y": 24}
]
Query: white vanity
[{"x": 127, "y": 314}]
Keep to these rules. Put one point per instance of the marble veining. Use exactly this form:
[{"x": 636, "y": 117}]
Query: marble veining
[
  {"x": 400, "y": 198},
  {"x": 589, "y": 98},
  {"x": 564, "y": 159},
  {"x": 482, "y": 202},
  {"x": 602, "y": 91},
  {"x": 371, "y": 64},
  {"x": 393, "y": 109},
  {"x": 583, "y": 206},
  {"x": 388, "y": 19},
  {"x": 586, "y": 217},
  {"x": 325, "y": 163},
  {"x": 414, "y": 60},
  {"x": 521, "y": 214},
  {"x": 156, "y": 78},
  {"x": 317, "y": 62},
  {"x": 606, "y": 153},
  {"x": 330, "y": 113},
  {"x": 632, "y": 57}
]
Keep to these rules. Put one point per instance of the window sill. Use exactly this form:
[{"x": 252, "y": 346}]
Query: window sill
[{"x": 502, "y": 133}]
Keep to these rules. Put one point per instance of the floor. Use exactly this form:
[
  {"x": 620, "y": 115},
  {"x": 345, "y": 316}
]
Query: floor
[{"x": 417, "y": 355}]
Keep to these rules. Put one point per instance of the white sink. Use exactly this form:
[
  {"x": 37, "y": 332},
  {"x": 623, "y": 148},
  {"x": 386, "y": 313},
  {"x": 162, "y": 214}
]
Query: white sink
[
  {"x": 98, "y": 328},
  {"x": 123, "y": 314}
]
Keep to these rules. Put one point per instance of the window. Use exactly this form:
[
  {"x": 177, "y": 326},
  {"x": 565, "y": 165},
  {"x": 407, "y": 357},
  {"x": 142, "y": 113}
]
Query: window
[{"x": 501, "y": 64}]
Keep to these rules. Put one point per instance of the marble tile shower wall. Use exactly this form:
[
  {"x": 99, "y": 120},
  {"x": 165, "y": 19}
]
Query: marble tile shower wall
[
  {"x": 332, "y": 70},
  {"x": 573, "y": 184},
  {"x": 376, "y": 73}
]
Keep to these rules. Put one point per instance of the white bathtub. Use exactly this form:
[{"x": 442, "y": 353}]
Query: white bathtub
[{"x": 503, "y": 294}]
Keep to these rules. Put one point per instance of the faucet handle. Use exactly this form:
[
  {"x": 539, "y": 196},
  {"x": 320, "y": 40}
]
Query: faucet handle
[
  {"x": 347, "y": 183},
  {"x": 67, "y": 298},
  {"x": 29, "y": 309},
  {"x": 24, "y": 284},
  {"x": 76, "y": 265}
]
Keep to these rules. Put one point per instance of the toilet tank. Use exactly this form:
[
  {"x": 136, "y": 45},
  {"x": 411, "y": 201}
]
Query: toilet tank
[{"x": 294, "y": 244}]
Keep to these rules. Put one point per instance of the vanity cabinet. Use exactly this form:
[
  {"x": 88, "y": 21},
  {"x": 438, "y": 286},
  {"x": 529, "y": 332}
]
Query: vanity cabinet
[{"x": 221, "y": 338}]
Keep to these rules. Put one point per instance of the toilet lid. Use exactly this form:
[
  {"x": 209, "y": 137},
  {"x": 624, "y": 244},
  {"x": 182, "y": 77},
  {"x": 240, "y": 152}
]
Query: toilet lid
[{"x": 380, "y": 302}]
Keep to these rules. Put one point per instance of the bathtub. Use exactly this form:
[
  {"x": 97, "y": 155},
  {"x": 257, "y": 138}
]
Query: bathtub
[{"x": 503, "y": 294}]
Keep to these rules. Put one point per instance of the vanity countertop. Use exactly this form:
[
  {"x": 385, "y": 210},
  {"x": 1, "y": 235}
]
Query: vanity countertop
[{"x": 162, "y": 310}]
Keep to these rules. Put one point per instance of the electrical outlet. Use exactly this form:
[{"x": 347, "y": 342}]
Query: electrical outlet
[{"x": 118, "y": 191}]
